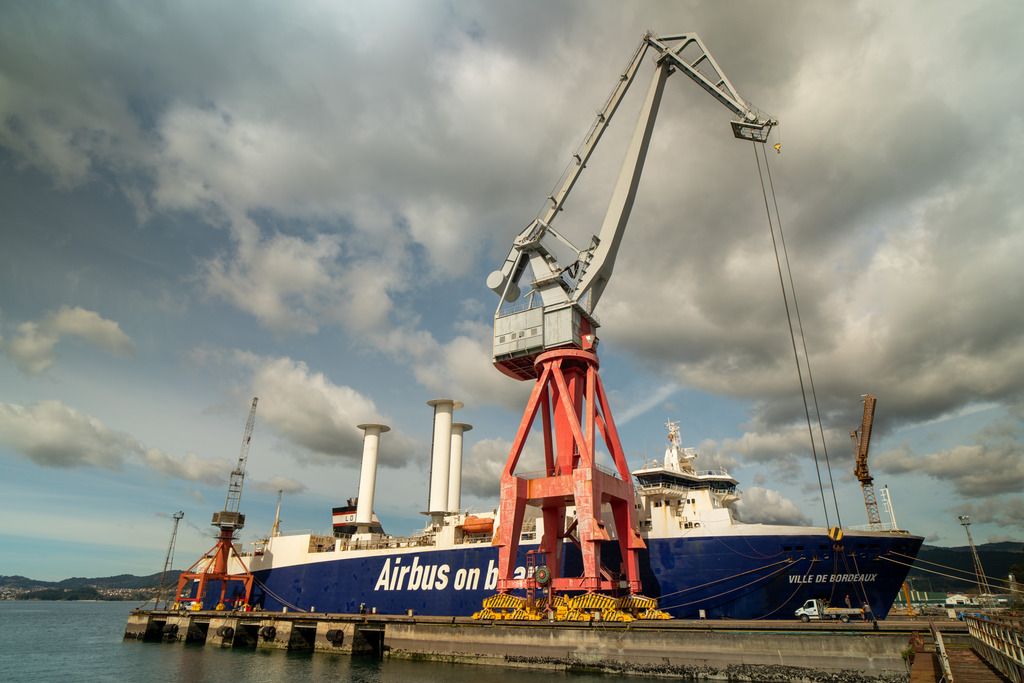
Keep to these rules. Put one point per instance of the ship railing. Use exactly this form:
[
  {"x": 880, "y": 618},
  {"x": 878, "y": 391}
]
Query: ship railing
[
  {"x": 524, "y": 304},
  {"x": 882, "y": 526},
  {"x": 721, "y": 472},
  {"x": 664, "y": 490},
  {"x": 390, "y": 542},
  {"x": 652, "y": 464},
  {"x": 537, "y": 474},
  {"x": 479, "y": 537},
  {"x": 657, "y": 464},
  {"x": 396, "y": 542}
]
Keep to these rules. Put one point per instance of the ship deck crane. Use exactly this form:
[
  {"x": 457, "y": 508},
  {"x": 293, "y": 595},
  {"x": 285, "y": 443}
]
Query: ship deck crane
[
  {"x": 861, "y": 440},
  {"x": 214, "y": 564},
  {"x": 551, "y": 338}
]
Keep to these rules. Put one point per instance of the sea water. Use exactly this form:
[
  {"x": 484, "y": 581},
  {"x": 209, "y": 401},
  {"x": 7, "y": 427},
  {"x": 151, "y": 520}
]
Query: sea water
[{"x": 83, "y": 641}]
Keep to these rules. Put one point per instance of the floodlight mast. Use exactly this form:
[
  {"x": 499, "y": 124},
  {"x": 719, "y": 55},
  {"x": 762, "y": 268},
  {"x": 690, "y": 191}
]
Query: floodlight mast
[{"x": 561, "y": 300}]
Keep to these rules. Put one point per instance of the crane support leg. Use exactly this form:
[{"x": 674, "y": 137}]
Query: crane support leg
[
  {"x": 574, "y": 408},
  {"x": 215, "y": 566}
]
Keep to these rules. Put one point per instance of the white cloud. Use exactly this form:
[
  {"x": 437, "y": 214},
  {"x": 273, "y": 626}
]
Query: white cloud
[
  {"x": 994, "y": 464},
  {"x": 1004, "y": 511},
  {"x": 286, "y": 282},
  {"x": 279, "y": 483},
  {"x": 462, "y": 367},
  {"x": 189, "y": 468},
  {"x": 33, "y": 348},
  {"x": 92, "y": 327},
  {"x": 766, "y": 506},
  {"x": 650, "y": 401},
  {"x": 483, "y": 465},
  {"x": 785, "y": 448},
  {"x": 308, "y": 410},
  {"x": 52, "y": 434}
]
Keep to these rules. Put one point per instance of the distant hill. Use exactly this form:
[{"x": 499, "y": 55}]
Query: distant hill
[
  {"x": 127, "y": 581},
  {"x": 87, "y": 593},
  {"x": 119, "y": 581},
  {"x": 996, "y": 559}
]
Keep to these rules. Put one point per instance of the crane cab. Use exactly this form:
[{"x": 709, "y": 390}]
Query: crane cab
[{"x": 521, "y": 336}]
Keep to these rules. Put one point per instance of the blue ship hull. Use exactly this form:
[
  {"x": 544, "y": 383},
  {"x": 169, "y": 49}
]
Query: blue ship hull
[{"x": 729, "y": 576}]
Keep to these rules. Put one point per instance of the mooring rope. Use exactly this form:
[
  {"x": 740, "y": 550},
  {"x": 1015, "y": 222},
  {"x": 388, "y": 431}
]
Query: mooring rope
[
  {"x": 970, "y": 576},
  {"x": 277, "y": 597},
  {"x": 790, "y": 596},
  {"x": 731, "y": 590},
  {"x": 786, "y": 561}
]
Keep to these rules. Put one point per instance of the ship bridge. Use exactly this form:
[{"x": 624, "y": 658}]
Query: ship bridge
[{"x": 675, "y": 498}]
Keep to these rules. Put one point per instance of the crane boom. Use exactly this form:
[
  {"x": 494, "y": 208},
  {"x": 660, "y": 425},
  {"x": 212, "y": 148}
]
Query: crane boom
[
  {"x": 234, "y": 498},
  {"x": 861, "y": 440},
  {"x": 561, "y": 300}
]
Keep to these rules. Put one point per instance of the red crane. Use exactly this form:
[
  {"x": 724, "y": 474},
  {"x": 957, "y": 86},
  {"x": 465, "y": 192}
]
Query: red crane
[{"x": 214, "y": 564}]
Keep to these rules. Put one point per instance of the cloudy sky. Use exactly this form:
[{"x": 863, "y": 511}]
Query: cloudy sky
[{"x": 301, "y": 201}]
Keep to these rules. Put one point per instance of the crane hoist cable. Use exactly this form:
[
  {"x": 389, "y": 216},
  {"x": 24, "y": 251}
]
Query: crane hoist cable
[
  {"x": 792, "y": 335},
  {"x": 803, "y": 337}
]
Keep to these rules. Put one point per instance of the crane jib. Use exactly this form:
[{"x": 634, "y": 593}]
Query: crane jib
[{"x": 556, "y": 309}]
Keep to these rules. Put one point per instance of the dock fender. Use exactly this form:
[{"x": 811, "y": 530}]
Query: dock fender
[
  {"x": 225, "y": 632},
  {"x": 335, "y": 636},
  {"x": 268, "y": 632}
]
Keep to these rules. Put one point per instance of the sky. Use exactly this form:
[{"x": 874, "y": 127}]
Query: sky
[{"x": 206, "y": 202}]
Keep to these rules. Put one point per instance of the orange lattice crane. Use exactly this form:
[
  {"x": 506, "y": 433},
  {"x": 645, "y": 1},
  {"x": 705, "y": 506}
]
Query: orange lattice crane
[
  {"x": 861, "y": 439},
  {"x": 214, "y": 565}
]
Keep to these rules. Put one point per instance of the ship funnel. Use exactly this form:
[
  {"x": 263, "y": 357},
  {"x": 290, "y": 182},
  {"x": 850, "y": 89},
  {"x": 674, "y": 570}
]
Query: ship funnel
[
  {"x": 440, "y": 456},
  {"x": 368, "y": 474},
  {"x": 455, "y": 467}
]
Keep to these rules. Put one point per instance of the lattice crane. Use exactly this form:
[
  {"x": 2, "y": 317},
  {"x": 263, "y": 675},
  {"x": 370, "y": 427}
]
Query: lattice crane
[
  {"x": 230, "y": 516},
  {"x": 214, "y": 564},
  {"x": 551, "y": 338},
  {"x": 861, "y": 440}
]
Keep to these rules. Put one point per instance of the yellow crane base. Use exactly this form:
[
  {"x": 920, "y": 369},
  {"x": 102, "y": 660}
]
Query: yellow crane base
[{"x": 583, "y": 607}]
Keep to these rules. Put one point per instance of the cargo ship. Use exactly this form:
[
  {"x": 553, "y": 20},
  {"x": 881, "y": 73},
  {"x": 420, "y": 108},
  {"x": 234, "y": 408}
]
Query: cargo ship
[{"x": 701, "y": 561}]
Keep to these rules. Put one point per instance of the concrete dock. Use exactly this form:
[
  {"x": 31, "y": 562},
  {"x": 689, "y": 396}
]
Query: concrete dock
[
  {"x": 702, "y": 650},
  {"x": 340, "y": 634},
  {"x": 780, "y": 650}
]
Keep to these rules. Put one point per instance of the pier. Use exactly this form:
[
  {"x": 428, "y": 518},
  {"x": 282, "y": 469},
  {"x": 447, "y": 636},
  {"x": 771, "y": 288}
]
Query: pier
[{"x": 691, "y": 649}]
